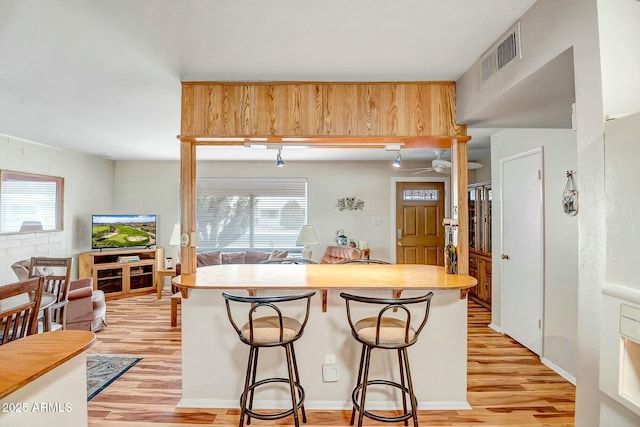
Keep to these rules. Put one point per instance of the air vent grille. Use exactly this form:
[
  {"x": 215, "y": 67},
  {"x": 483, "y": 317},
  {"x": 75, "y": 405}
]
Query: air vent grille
[
  {"x": 501, "y": 53},
  {"x": 507, "y": 50}
]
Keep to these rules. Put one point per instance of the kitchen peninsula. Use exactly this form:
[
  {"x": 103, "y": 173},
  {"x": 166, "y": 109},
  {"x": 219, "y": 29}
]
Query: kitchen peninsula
[{"x": 214, "y": 360}]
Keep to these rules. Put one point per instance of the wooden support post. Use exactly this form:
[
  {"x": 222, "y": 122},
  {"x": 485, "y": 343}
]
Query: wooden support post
[
  {"x": 460, "y": 211},
  {"x": 188, "y": 205}
]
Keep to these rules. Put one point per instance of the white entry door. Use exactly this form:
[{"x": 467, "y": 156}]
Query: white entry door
[{"x": 522, "y": 240}]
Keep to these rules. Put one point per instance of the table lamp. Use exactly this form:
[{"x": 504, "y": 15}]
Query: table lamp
[
  {"x": 175, "y": 240},
  {"x": 307, "y": 237}
]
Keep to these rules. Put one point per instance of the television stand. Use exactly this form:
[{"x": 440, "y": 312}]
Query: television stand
[{"x": 122, "y": 279}]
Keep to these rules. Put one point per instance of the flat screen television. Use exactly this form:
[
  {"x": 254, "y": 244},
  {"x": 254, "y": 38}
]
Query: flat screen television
[{"x": 122, "y": 231}]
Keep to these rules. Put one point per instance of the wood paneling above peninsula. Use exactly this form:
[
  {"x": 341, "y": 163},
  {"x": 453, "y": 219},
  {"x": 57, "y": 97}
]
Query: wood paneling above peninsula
[{"x": 420, "y": 114}]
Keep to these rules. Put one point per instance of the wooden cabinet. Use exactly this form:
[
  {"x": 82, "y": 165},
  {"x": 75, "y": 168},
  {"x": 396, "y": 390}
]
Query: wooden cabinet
[
  {"x": 480, "y": 196},
  {"x": 119, "y": 278}
]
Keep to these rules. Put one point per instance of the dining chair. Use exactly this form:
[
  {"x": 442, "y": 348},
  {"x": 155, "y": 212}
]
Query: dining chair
[
  {"x": 19, "y": 306},
  {"x": 56, "y": 272}
]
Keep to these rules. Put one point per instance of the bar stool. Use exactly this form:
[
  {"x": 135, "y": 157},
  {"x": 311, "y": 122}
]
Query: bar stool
[
  {"x": 270, "y": 331},
  {"x": 386, "y": 331}
]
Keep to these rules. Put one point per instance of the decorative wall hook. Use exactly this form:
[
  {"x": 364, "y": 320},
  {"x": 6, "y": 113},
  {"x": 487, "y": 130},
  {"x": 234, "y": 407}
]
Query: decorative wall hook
[
  {"x": 350, "y": 204},
  {"x": 570, "y": 196}
]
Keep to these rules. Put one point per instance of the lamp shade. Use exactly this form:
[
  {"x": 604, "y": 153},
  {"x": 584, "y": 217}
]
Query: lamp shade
[
  {"x": 175, "y": 235},
  {"x": 307, "y": 236}
]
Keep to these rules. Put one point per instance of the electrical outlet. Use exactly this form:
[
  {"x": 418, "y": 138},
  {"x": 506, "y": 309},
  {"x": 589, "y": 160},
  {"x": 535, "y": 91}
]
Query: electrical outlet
[
  {"x": 329, "y": 373},
  {"x": 330, "y": 359},
  {"x": 377, "y": 221}
]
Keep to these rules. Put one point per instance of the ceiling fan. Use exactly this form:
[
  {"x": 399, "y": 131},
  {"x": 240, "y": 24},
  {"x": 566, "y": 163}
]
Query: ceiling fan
[{"x": 441, "y": 165}]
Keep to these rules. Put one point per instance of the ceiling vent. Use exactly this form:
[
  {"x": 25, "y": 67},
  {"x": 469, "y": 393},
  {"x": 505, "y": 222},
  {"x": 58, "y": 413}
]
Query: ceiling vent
[{"x": 503, "y": 52}]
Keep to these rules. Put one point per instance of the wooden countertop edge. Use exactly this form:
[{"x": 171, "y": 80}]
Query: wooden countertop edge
[
  {"x": 383, "y": 288},
  {"x": 427, "y": 277},
  {"x": 29, "y": 358}
]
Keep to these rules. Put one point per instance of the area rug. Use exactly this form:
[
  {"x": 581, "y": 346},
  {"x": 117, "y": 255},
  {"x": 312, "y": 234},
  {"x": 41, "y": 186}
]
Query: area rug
[{"x": 103, "y": 369}]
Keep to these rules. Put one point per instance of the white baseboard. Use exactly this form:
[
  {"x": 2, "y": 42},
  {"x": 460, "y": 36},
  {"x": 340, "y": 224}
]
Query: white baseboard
[
  {"x": 558, "y": 370},
  {"x": 495, "y": 328},
  {"x": 323, "y": 404}
]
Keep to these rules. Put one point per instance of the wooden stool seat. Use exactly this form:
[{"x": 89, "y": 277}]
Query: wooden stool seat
[{"x": 176, "y": 300}]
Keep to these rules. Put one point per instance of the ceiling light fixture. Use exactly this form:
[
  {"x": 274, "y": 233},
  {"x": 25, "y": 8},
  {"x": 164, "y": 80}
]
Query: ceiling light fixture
[
  {"x": 279, "y": 161},
  {"x": 396, "y": 162}
]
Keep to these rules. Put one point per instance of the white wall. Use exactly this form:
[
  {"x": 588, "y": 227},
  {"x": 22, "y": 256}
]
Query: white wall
[
  {"x": 327, "y": 181},
  {"x": 549, "y": 28},
  {"x": 619, "y": 35},
  {"x": 560, "y": 236},
  {"x": 622, "y": 176},
  {"x": 88, "y": 188},
  {"x": 150, "y": 188},
  {"x": 482, "y": 174},
  {"x": 622, "y": 251}
]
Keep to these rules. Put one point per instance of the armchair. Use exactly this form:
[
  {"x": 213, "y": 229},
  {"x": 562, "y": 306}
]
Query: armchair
[
  {"x": 87, "y": 308},
  {"x": 337, "y": 254}
]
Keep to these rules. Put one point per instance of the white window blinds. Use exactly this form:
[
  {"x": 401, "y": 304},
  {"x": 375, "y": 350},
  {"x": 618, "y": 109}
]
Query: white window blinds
[
  {"x": 29, "y": 202},
  {"x": 249, "y": 213}
]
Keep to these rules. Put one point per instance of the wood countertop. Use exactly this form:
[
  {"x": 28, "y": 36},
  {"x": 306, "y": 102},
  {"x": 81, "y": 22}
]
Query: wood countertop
[
  {"x": 26, "y": 359},
  {"x": 324, "y": 276},
  {"x": 395, "y": 277}
]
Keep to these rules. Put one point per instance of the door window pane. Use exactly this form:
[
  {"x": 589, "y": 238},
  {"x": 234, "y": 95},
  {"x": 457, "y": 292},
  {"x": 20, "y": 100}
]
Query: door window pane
[{"x": 421, "y": 195}]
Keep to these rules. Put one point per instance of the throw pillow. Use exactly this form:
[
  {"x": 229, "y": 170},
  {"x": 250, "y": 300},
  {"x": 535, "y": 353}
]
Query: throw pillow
[
  {"x": 233, "y": 258},
  {"x": 255, "y": 257},
  {"x": 277, "y": 253},
  {"x": 208, "y": 258}
]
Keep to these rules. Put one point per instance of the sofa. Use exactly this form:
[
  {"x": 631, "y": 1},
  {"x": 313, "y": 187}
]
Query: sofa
[{"x": 204, "y": 259}]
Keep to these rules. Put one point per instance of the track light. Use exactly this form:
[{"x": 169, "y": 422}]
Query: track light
[
  {"x": 279, "y": 161},
  {"x": 396, "y": 162}
]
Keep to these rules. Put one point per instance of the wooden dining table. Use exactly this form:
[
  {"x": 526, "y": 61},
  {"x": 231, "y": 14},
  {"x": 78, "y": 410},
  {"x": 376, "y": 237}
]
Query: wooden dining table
[{"x": 213, "y": 355}]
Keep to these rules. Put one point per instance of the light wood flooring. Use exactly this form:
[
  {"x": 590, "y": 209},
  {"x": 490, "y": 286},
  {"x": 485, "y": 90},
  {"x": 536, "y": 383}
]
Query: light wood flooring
[{"x": 507, "y": 384}]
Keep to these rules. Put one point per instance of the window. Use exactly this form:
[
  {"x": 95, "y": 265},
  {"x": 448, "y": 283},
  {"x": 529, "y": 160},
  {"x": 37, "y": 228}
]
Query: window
[
  {"x": 421, "y": 195},
  {"x": 248, "y": 213},
  {"x": 30, "y": 203}
]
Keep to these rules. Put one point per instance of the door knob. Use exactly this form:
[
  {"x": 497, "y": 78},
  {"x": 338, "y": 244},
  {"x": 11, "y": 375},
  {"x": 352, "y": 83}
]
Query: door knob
[{"x": 504, "y": 256}]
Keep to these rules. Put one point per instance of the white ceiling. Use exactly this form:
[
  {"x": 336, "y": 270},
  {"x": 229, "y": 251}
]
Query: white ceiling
[{"x": 103, "y": 77}]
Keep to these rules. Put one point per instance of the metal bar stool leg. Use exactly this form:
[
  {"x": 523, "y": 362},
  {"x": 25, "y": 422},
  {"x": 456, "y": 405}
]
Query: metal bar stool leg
[
  {"x": 297, "y": 378},
  {"x": 404, "y": 397},
  {"x": 412, "y": 396},
  {"x": 358, "y": 382},
  {"x": 253, "y": 381},
  {"x": 365, "y": 378},
  {"x": 292, "y": 386},
  {"x": 243, "y": 401}
]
